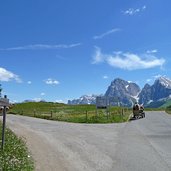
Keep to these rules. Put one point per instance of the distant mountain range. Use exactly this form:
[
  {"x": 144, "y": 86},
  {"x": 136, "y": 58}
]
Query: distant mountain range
[
  {"x": 158, "y": 93},
  {"x": 127, "y": 93},
  {"x": 85, "y": 99}
]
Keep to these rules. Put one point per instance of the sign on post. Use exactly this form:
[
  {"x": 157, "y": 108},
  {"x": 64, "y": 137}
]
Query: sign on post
[
  {"x": 4, "y": 102},
  {"x": 114, "y": 101},
  {"x": 102, "y": 102}
]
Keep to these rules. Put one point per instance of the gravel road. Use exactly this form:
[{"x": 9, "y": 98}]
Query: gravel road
[{"x": 144, "y": 144}]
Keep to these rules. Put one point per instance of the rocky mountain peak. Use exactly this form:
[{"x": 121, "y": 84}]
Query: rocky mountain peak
[
  {"x": 163, "y": 81},
  {"x": 145, "y": 95},
  {"x": 118, "y": 81},
  {"x": 146, "y": 86},
  {"x": 159, "y": 90},
  {"x": 124, "y": 90}
]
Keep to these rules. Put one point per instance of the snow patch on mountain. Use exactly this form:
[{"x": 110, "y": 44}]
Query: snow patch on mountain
[
  {"x": 126, "y": 87},
  {"x": 165, "y": 82}
]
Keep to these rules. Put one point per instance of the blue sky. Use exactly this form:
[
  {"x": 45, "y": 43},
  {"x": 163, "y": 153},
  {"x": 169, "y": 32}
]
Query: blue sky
[{"x": 61, "y": 49}]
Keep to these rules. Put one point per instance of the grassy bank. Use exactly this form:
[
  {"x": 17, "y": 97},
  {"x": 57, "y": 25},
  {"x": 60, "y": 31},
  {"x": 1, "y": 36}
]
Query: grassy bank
[
  {"x": 15, "y": 155},
  {"x": 168, "y": 110},
  {"x": 71, "y": 113},
  {"x": 154, "y": 109}
]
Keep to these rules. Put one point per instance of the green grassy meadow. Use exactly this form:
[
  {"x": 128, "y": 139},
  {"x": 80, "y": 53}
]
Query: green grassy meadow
[{"x": 71, "y": 113}]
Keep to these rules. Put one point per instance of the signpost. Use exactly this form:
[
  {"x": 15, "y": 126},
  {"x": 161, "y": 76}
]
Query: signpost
[
  {"x": 114, "y": 101},
  {"x": 4, "y": 102},
  {"x": 102, "y": 102}
]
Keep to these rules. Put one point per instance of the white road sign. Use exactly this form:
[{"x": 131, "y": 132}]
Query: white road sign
[{"x": 4, "y": 102}]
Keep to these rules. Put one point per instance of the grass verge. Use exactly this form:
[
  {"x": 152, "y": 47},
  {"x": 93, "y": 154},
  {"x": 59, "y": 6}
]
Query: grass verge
[
  {"x": 154, "y": 109},
  {"x": 168, "y": 111},
  {"x": 15, "y": 156}
]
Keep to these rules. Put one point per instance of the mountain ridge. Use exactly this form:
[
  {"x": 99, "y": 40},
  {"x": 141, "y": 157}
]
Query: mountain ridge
[{"x": 128, "y": 92}]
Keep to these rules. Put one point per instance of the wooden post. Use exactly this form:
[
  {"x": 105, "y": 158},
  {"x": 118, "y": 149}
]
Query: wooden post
[
  {"x": 51, "y": 114},
  {"x": 113, "y": 114},
  {"x": 3, "y": 126},
  {"x": 122, "y": 112},
  {"x": 96, "y": 113},
  {"x": 86, "y": 116},
  {"x": 107, "y": 113},
  {"x": 34, "y": 112}
]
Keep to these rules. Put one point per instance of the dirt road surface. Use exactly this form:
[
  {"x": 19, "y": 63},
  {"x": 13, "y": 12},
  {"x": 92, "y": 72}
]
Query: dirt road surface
[{"x": 144, "y": 144}]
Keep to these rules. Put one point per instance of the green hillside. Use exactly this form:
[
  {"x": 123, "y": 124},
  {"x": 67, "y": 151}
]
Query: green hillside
[
  {"x": 159, "y": 104},
  {"x": 166, "y": 104},
  {"x": 31, "y": 108}
]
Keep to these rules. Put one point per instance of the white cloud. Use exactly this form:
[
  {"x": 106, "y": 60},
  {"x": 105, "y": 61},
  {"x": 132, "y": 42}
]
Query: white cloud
[
  {"x": 154, "y": 77},
  {"x": 6, "y": 76},
  {"x": 106, "y": 33},
  {"x": 41, "y": 47},
  {"x": 152, "y": 51},
  {"x": 128, "y": 61},
  {"x": 133, "y": 11},
  {"x": 144, "y": 7},
  {"x": 51, "y": 81},
  {"x": 105, "y": 77},
  {"x": 97, "y": 57},
  {"x": 42, "y": 94},
  {"x": 29, "y": 82}
]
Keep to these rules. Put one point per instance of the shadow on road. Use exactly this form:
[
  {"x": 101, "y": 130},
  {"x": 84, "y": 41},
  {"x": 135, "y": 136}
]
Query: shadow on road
[{"x": 135, "y": 118}]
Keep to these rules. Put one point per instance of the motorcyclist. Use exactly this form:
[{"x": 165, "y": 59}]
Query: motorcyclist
[
  {"x": 136, "y": 106},
  {"x": 136, "y": 109},
  {"x": 141, "y": 108}
]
